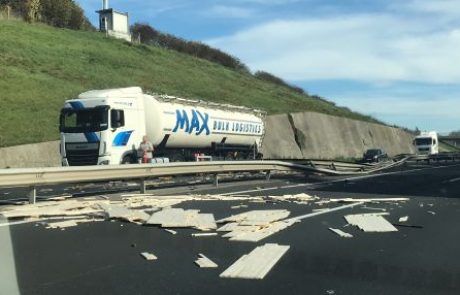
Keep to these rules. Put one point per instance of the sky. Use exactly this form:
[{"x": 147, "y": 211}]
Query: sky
[{"x": 397, "y": 60}]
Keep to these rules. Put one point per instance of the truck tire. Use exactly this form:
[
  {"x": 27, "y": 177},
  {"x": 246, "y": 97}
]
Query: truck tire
[{"x": 128, "y": 159}]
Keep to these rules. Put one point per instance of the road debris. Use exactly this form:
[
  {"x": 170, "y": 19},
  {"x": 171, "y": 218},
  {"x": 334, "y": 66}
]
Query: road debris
[
  {"x": 373, "y": 200},
  {"x": 205, "y": 262},
  {"x": 403, "y": 219},
  {"x": 178, "y": 217},
  {"x": 431, "y": 212},
  {"x": 301, "y": 198},
  {"x": 173, "y": 232},
  {"x": 374, "y": 208},
  {"x": 204, "y": 234},
  {"x": 255, "y": 225},
  {"x": 371, "y": 222},
  {"x": 256, "y": 264},
  {"x": 256, "y": 217},
  {"x": 407, "y": 225},
  {"x": 341, "y": 233},
  {"x": 239, "y": 206},
  {"x": 148, "y": 256}
]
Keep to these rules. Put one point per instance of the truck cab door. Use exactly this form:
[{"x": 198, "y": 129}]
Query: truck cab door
[{"x": 120, "y": 135}]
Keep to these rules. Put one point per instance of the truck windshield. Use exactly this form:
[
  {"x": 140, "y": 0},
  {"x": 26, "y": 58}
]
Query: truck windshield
[
  {"x": 84, "y": 120},
  {"x": 423, "y": 141}
]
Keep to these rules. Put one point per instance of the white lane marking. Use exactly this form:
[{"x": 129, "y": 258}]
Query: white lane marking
[
  {"x": 454, "y": 179},
  {"x": 8, "y": 272},
  {"x": 336, "y": 180},
  {"x": 329, "y": 210}
]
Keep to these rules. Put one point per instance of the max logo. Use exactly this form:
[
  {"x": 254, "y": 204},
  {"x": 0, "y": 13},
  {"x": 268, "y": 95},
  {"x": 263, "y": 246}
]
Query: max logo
[{"x": 198, "y": 122}]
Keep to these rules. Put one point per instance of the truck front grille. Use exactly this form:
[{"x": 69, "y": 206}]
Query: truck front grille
[{"x": 82, "y": 157}]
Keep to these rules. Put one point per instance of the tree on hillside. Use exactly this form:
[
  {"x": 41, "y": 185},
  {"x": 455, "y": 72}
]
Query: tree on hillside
[
  {"x": 262, "y": 75},
  {"x": 455, "y": 133},
  {"x": 58, "y": 13},
  {"x": 150, "y": 36}
]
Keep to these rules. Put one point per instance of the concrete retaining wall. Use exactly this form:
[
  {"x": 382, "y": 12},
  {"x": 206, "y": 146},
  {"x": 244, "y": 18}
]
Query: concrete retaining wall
[
  {"x": 45, "y": 154},
  {"x": 320, "y": 136}
]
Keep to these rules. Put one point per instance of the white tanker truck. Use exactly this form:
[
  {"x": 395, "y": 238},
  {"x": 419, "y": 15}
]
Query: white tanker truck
[{"x": 104, "y": 127}]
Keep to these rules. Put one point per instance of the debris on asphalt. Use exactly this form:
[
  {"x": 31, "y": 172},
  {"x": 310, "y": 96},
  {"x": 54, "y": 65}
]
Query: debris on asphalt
[
  {"x": 123, "y": 213},
  {"x": 205, "y": 262},
  {"x": 239, "y": 206},
  {"x": 256, "y": 217},
  {"x": 301, "y": 198},
  {"x": 432, "y": 212},
  {"x": 255, "y": 225},
  {"x": 178, "y": 217},
  {"x": 374, "y": 208},
  {"x": 341, "y": 233},
  {"x": 407, "y": 225},
  {"x": 204, "y": 234},
  {"x": 373, "y": 200},
  {"x": 371, "y": 222},
  {"x": 403, "y": 219},
  {"x": 148, "y": 256},
  {"x": 320, "y": 210},
  {"x": 173, "y": 232},
  {"x": 68, "y": 223},
  {"x": 256, "y": 264}
]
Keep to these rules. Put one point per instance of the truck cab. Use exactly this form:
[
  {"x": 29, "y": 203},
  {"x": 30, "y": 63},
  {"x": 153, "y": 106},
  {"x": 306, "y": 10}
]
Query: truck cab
[
  {"x": 427, "y": 143},
  {"x": 101, "y": 127}
]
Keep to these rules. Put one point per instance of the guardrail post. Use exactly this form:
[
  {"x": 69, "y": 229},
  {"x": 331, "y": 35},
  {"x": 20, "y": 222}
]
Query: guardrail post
[
  {"x": 32, "y": 195},
  {"x": 267, "y": 175},
  {"x": 216, "y": 180},
  {"x": 142, "y": 186}
]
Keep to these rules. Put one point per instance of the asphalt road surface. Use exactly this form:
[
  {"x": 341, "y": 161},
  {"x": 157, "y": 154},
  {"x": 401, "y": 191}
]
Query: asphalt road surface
[{"x": 103, "y": 257}]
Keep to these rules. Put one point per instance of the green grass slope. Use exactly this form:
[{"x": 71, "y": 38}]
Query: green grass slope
[{"x": 41, "y": 66}]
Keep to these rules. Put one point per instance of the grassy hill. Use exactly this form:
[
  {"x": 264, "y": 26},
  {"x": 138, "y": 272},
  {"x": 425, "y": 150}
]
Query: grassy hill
[{"x": 41, "y": 66}]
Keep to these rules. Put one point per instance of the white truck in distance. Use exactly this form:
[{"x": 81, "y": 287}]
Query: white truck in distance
[
  {"x": 104, "y": 127},
  {"x": 427, "y": 143}
]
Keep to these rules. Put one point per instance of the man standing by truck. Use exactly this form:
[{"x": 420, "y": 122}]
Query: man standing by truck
[{"x": 146, "y": 150}]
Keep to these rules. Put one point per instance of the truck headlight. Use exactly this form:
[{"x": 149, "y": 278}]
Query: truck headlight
[{"x": 106, "y": 162}]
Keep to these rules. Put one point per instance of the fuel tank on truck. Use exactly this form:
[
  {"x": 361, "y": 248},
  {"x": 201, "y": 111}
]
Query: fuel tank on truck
[{"x": 197, "y": 124}]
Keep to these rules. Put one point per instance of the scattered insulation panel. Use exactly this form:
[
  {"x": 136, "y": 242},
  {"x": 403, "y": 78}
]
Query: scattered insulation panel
[
  {"x": 148, "y": 256},
  {"x": 403, "y": 219},
  {"x": 370, "y": 222},
  {"x": 177, "y": 217},
  {"x": 341, "y": 233},
  {"x": 204, "y": 234},
  {"x": 205, "y": 262},
  {"x": 256, "y": 264},
  {"x": 257, "y": 217}
]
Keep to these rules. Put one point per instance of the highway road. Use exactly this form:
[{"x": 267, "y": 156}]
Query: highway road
[{"x": 103, "y": 257}]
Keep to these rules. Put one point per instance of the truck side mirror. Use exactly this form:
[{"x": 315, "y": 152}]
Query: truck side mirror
[{"x": 117, "y": 118}]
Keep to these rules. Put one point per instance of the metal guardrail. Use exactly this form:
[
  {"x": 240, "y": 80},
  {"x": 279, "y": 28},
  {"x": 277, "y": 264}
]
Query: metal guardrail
[
  {"x": 34, "y": 177},
  {"x": 437, "y": 157}
]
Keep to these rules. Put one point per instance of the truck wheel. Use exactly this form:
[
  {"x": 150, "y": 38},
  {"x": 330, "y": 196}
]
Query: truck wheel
[{"x": 128, "y": 159}]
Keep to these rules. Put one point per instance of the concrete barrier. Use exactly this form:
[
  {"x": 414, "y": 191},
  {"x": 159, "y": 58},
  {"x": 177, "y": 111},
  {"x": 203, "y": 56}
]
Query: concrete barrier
[
  {"x": 279, "y": 138},
  {"x": 44, "y": 154},
  {"x": 320, "y": 136}
]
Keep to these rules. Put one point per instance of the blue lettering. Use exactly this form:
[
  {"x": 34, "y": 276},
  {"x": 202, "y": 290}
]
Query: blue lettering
[
  {"x": 195, "y": 124},
  {"x": 198, "y": 123},
  {"x": 181, "y": 121},
  {"x": 204, "y": 124}
]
